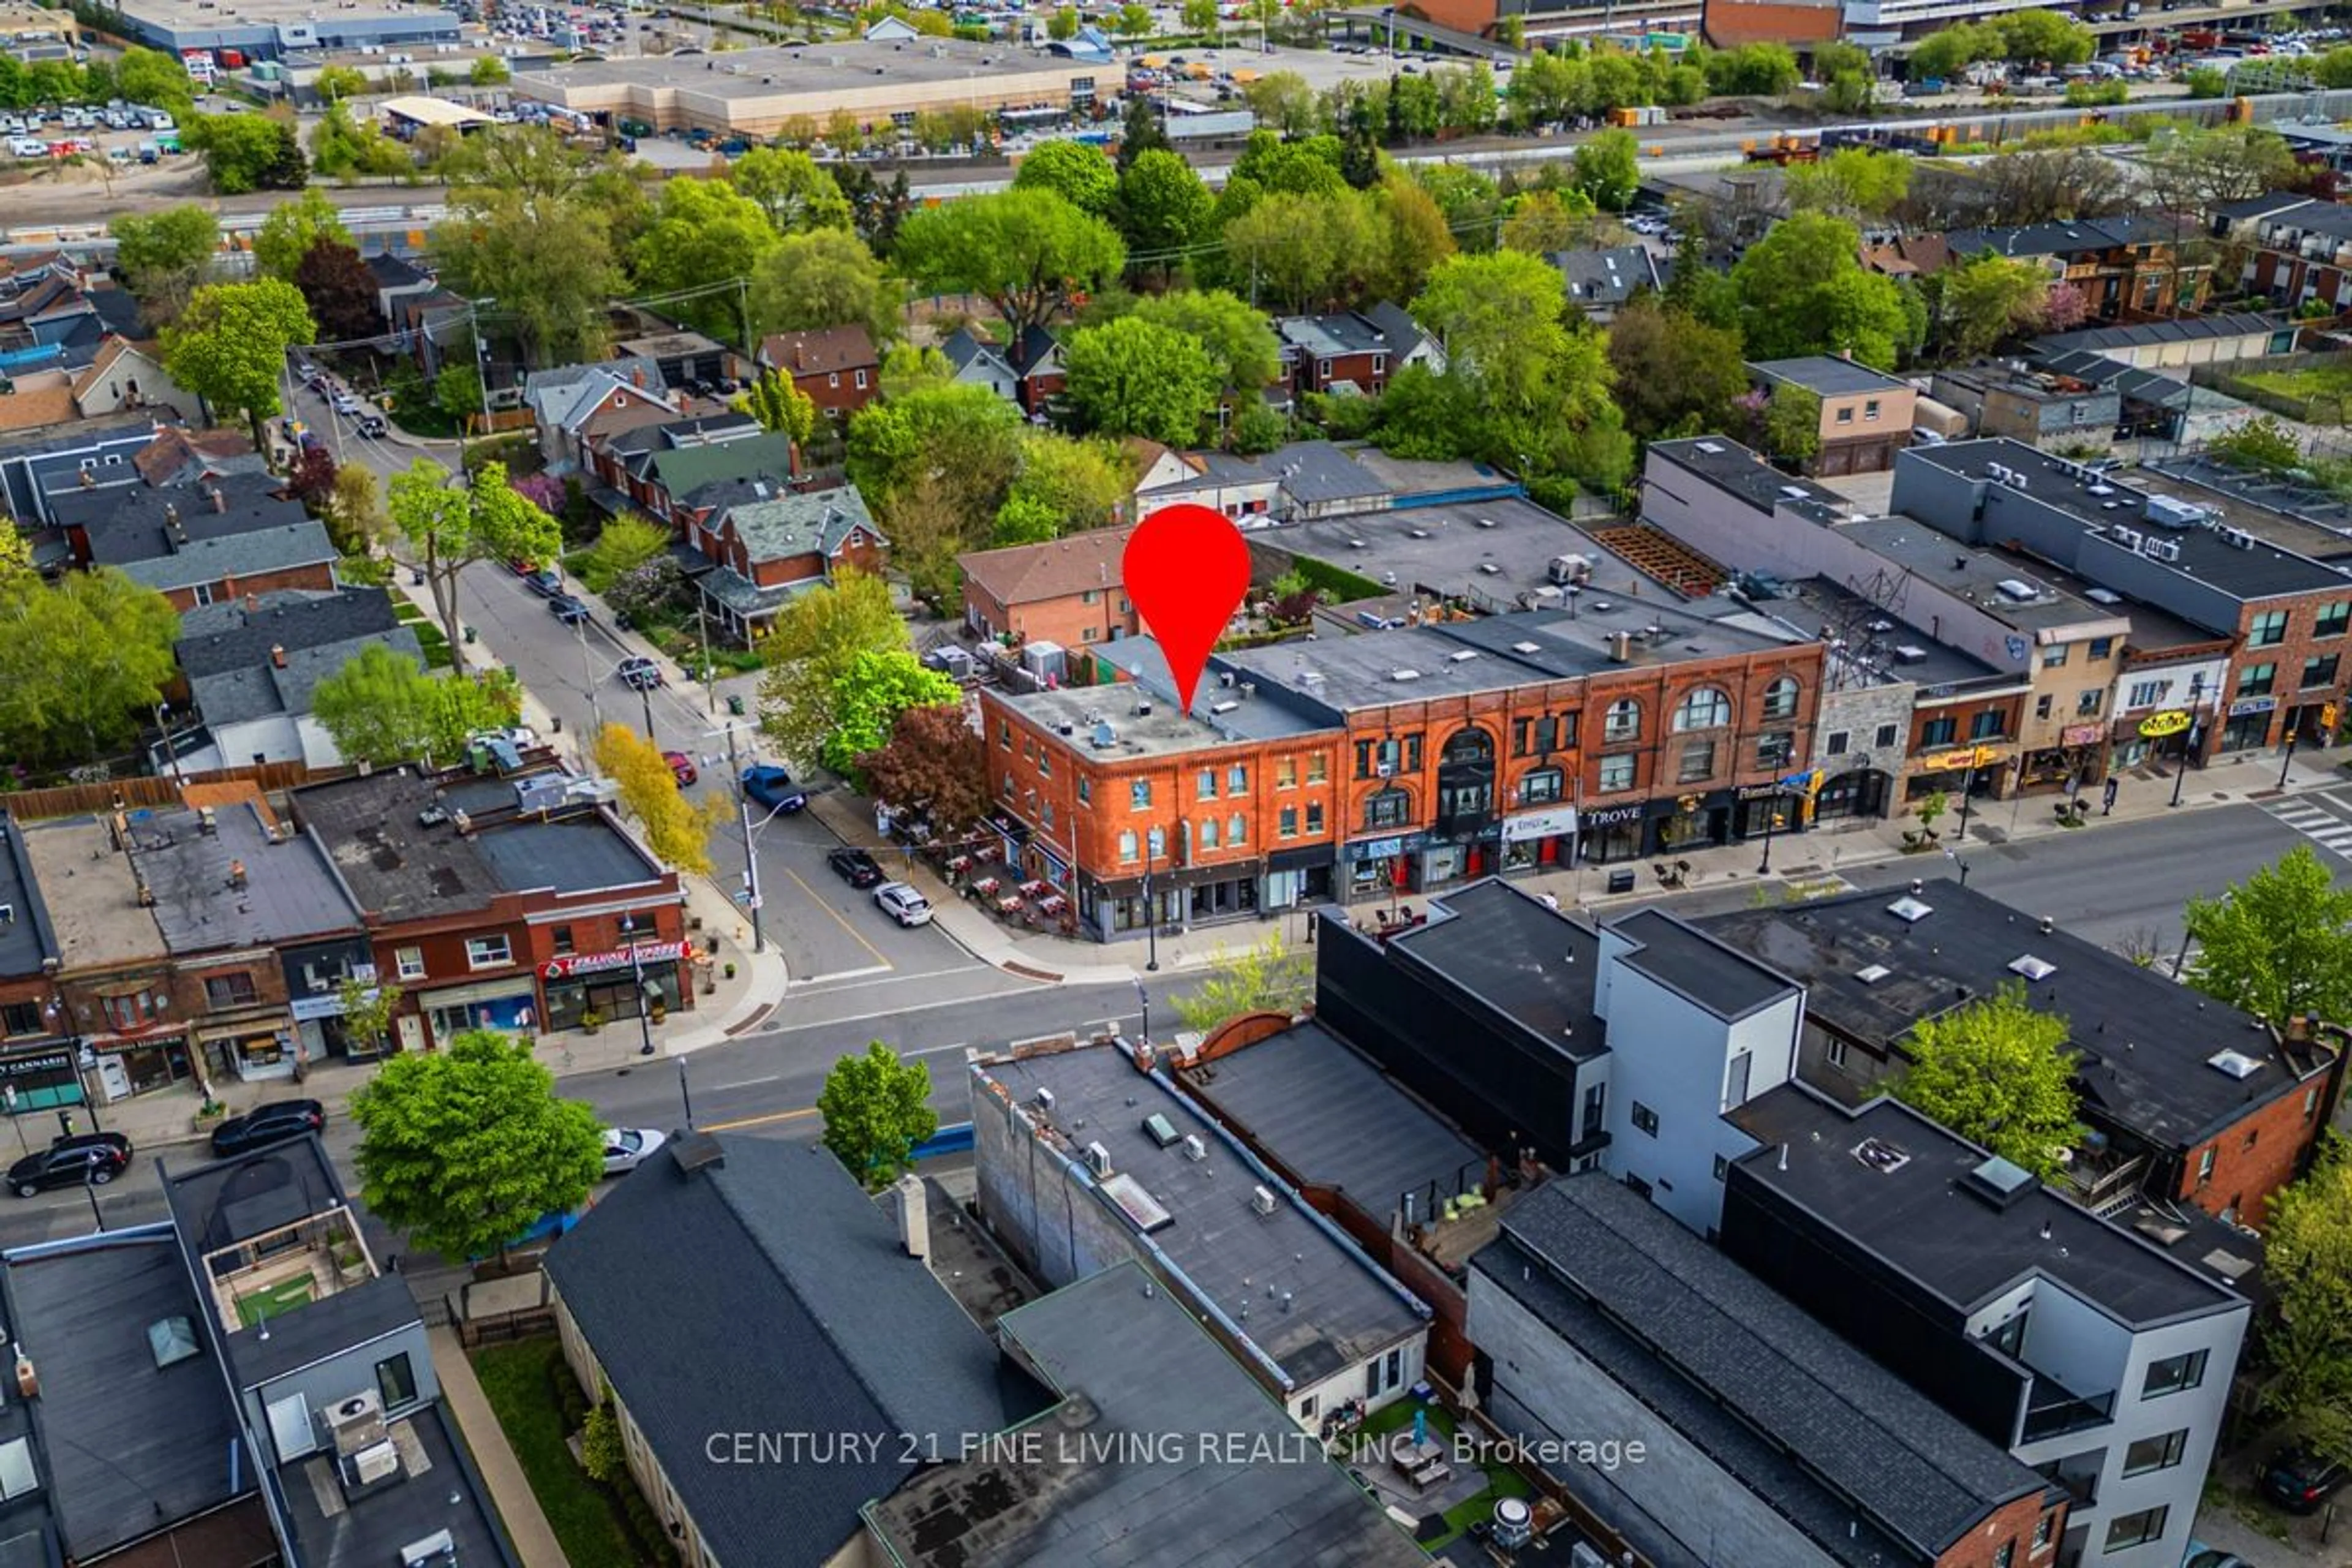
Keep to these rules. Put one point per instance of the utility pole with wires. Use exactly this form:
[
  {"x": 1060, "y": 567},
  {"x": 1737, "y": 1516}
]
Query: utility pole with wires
[{"x": 743, "y": 818}]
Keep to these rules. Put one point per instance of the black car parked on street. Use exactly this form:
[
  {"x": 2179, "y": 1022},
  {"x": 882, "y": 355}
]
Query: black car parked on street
[{"x": 273, "y": 1121}]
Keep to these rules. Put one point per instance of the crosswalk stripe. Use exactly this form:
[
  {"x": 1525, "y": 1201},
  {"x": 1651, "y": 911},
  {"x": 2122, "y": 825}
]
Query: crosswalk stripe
[
  {"x": 2306, "y": 818},
  {"x": 2326, "y": 829}
]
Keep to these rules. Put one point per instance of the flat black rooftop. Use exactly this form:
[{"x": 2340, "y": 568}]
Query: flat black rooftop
[
  {"x": 1715, "y": 975},
  {"x": 1731, "y": 467},
  {"x": 1534, "y": 965},
  {"x": 1342, "y": 1309},
  {"x": 1831, "y": 375},
  {"x": 398, "y": 867},
  {"x": 584, "y": 854},
  {"x": 374, "y": 1529},
  {"x": 27, "y": 938},
  {"x": 2266, "y": 570},
  {"x": 2146, "y": 1045},
  {"x": 1916, "y": 1217},
  {"x": 1802, "y": 1417},
  {"x": 1135, "y": 1370},
  {"x": 287, "y": 893},
  {"x": 1325, "y": 1113},
  {"x": 130, "y": 1448}
]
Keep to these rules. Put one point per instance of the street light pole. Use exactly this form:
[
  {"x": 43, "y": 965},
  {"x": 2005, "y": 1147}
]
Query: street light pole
[
  {"x": 2181, "y": 763},
  {"x": 645, "y": 1005},
  {"x": 89, "y": 1187},
  {"x": 1150, "y": 927},
  {"x": 1968, "y": 793},
  {"x": 2293, "y": 735},
  {"x": 588, "y": 678},
  {"x": 1771, "y": 820},
  {"x": 685, "y": 1095},
  {"x": 1145, "y": 997},
  {"x": 750, "y": 859}
]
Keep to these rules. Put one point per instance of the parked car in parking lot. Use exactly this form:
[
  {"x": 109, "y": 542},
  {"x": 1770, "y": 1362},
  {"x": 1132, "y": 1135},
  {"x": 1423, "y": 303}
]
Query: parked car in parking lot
[
  {"x": 274, "y": 1121},
  {"x": 2299, "y": 1481},
  {"x": 771, "y": 787},
  {"x": 96, "y": 1158},
  {"x": 903, "y": 904}
]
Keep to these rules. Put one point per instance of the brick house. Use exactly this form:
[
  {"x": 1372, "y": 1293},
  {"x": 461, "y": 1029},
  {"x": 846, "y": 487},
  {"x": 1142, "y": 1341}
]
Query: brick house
[
  {"x": 513, "y": 902},
  {"x": 1035, "y": 356},
  {"x": 1359, "y": 349},
  {"x": 1065, "y": 591},
  {"x": 838, "y": 368},
  {"x": 2131, "y": 266},
  {"x": 765, "y": 548},
  {"x": 1865, "y": 414},
  {"x": 1399, "y": 762}
]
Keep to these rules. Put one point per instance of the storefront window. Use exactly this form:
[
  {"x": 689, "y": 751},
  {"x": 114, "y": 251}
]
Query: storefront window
[{"x": 610, "y": 994}]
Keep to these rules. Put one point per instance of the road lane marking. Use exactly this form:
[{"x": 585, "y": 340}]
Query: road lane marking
[
  {"x": 745, "y": 1083},
  {"x": 870, "y": 969},
  {"x": 938, "y": 1050},
  {"x": 777, "y": 1030},
  {"x": 767, "y": 1120},
  {"x": 878, "y": 956}
]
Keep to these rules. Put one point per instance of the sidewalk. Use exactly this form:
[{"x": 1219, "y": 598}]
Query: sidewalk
[
  {"x": 494, "y": 1456},
  {"x": 2144, "y": 793}
]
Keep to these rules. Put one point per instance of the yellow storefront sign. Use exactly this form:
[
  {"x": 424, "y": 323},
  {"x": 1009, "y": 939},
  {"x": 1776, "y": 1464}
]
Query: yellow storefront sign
[
  {"x": 2156, "y": 726},
  {"x": 1954, "y": 762}
]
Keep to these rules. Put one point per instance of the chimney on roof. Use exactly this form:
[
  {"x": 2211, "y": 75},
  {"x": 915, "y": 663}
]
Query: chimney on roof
[
  {"x": 252, "y": 603},
  {"x": 218, "y": 497},
  {"x": 277, "y": 654},
  {"x": 237, "y": 873},
  {"x": 172, "y": 517},
  {"x": 637, "y": 377},
  {"x": 914, "y": 1217},
  {"x": 86, "y": 480}
]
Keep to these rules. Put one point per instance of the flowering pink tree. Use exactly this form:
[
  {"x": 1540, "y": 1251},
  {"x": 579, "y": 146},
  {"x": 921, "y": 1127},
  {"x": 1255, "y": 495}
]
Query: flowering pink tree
[{"x": 2065, "y": 307}]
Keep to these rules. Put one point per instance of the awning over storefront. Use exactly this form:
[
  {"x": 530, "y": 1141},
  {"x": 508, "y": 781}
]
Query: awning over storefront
[
  {"x": 1558, "y": 820},
  {"x": 1299, "y": 860},
  {"x": 480, "y": 991}
]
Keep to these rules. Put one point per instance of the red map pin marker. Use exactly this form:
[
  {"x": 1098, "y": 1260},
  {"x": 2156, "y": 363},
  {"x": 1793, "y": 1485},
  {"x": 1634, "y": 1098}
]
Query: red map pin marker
[{"x": 1186, "y": 568}]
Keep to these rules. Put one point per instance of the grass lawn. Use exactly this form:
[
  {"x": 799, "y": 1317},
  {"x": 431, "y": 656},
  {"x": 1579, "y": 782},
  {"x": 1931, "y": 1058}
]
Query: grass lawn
[
  {"x": 1502, "y": 1481},
  {"x": 515, "y": 1379},
  {"x": 2324, "y": 391},
  {"x": 282, "y": 1297}
]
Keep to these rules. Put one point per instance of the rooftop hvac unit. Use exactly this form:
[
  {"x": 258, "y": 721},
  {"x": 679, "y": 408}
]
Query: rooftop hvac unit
[
  {"x": 2171, "y": 551},
  {"x": 2170, "y": 511},
  {"x": 1045, "y": 1100},
  {"x": 1193, "y": 1148},
  {"x": 357, "y": 1411},
  {"x": 2129, "y": 538},
  {"x": 1262, "y": 1199},
  {"x": 376, "y": 1462},
  {"x": 1098, "y": 1159}
]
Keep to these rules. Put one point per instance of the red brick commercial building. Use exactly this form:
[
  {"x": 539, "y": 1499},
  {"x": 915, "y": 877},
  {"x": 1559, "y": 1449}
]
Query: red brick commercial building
[
  {"x": 511, "y": 902},
  {"x": 1067, "y": 591},
  {"x": 1396, "y": 762}
]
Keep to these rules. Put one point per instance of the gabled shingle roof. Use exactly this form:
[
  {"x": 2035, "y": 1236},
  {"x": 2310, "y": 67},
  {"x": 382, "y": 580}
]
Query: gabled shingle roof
[
  {"x": 683, "y": 470},
  {"x": 818, "y": 522},
  {"x": 802, "y": 1315},
  {"x": 1671, "y": 1317},
  {"x": 303, "y": 543},
  {"x": 1028, "y": 574},
  {"x": 831, "y": 349}
]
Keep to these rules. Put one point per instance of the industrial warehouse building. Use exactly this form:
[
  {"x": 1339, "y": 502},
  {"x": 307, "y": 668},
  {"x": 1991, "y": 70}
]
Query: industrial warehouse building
[
  {"x": 755, "y": 92},
  {"x": 269, "y": 29}
]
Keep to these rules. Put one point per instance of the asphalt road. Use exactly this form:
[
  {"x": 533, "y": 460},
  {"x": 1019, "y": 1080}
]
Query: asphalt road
[{"x": 827, "y": 932}]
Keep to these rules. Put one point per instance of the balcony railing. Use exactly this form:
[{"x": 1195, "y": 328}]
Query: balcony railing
[
  {"x": 2051, "y": 1410},
  {"x": 2105, "y": 1179}
]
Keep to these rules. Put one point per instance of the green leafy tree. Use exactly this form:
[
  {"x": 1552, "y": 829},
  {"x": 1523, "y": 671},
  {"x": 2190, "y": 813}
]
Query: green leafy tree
[
  {"x": 1073, "y": 171},
  {"x": 1140, "y": 132},
  {"x": 1164, "y": 207},
  {"x": 825, "y": 278},
  {"x": 382, "y": 709},
  {"x": 292, "y": 229},
  {"x": 1997, "y": 1073},
  {"x": 2332, "y": 70},
  {"x": 229, "y": 345},
  {"x": 1676, "y": 376},
  {"x": 1242, "y": 348},
  {"x": 1029, "y": 252},
  {"x": 1071, "y": 484},
  {"x": 873, "y": 688},
  {"x": 464, "y": 1149},
  {"x": 2198, "y": 169},
  {"x": 342, "y": 146},
  {"x": 2044, "y": 37},
  {"x": 82, "y": 664},
  {"x": 1802, "y": 290},
  {"x": 876, "y": 1109},
  {"x": 793, "y": 189},
  {"x": 1199, "y": 15},
  {"x": 603, "y": 1453},
  {"x": 2260, "y": 443},
  {"x": 546, "y": 257},
  {"x": 703, "y": 232},
  {"x": 155, "y": 79},
  {"x": 2278, "y": 944},
  {"x": 625, "y": 544},
  {"x": 2306, "y": 1339},
  {"x": 779, "y": 406},
  {"x": 1984, "y": 301},
  {"x": 1499, "y": 317},
  {"x": 1135, "y": 377},
  {"x": 1063, "y": 25},
  {"x": 1854, "y": 182},
  {"x": 2210, "y": 82},
  {"x": 1257, "y": 430},
  {"x": 814, "y": 637},
  {"x": 936, "y": 463},
  {"x": 1284, "y": 102},
  {"x": 443, "y": 528},
  {"x": 1267, "y": 978},
  {"x": 1544, "y": 223},
  {"x": 1607, "y": 169},
  {"x": 1309, "y": 251},
  {"x": 1793, "y": 424},
  {"x": 164, "y": 256},
  {"x": 1307, "y": 167},
  {"x": 335, "y": 83},
  {"x": 368, "y": 1011},
  {"x": 1131, "y": 20},
  {"x": 244, "y": 152},
  {"x": 489, "y": 71}
]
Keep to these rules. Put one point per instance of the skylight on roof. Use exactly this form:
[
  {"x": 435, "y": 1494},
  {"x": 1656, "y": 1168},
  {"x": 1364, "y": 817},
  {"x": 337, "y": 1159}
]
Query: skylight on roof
[
  {"x": 1873, "y": 974},
  {"x": 174, "y": 1340},
  {"x": 2236, "y": 1064},
  {"x": 2032, "y": 968},
  {"x": 1910, "y": 910}
]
